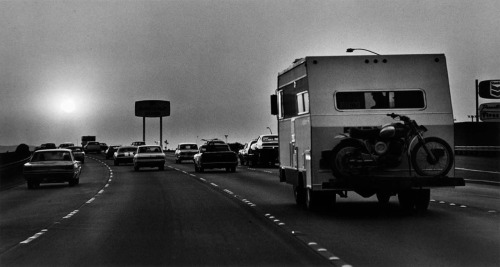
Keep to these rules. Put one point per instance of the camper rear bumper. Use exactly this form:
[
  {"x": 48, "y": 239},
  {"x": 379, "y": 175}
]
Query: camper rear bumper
[{"x": 393, "y": 183}]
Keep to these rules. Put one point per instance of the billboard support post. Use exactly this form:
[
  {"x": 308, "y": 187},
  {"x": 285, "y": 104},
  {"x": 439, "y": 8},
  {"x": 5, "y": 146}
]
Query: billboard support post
[
  {"x": 152, "y": 109},
  {"x": 144, "y": 129},
  {"x": 477, "y": 101}
]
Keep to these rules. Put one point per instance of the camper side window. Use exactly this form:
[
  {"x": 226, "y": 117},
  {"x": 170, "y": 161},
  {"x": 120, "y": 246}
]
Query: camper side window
[
  {"x": 394, "y": 99},
  {"x": 303, "y": 103}
]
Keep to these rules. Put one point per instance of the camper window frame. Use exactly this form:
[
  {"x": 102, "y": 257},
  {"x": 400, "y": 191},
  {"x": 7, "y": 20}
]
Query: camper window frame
[
  {"x": 391, "y": 102},
  {"x": 303, "y": 103}
]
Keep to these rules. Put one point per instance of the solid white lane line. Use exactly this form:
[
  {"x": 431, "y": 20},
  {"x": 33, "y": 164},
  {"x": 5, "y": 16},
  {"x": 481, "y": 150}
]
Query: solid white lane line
[{"x": 472, "y": 170}]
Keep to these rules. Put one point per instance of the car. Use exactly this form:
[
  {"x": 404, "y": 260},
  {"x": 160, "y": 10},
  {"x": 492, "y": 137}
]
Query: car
[
  {"x": 78, "y": 153},
  {"x": 66, "y": 145},
  {"x": 246, "y": 155},
  {"x": 149, "y": 156},
  {"x": 46, "y": 146},
  {"x": 138, "y": 143},
  {"x": 215, "y": 155},
  {"x": 111, "y": 151},
  {"x": 124, "y": 154},
  {"x": 92, "y": 146},
  {"x": 104, "y": 146},
  {"x": 52, "y": 166},
  {"x": 265, "y": 150},
  {"x": 185, "y": 151}
]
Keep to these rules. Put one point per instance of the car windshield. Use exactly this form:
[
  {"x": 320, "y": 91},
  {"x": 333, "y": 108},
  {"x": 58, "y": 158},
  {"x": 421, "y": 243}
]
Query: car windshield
[
  {"x": 188, "y": 147},
  {"x": 76, "y": 149},
  {"x": 51, "y": 156},
  {"x": 127, "y": 149},
  {"x": 269, "y": 138},
  {"x": 149, "y": 149},
  {"x": 215, "y": 148}
]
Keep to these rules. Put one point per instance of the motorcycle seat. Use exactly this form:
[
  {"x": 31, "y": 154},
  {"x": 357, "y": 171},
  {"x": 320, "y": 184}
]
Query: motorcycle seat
[{"x": 364, "y": 133}]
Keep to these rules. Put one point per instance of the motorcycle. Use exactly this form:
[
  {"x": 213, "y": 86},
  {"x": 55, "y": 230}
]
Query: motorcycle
[{"x": 364, "y": 150}]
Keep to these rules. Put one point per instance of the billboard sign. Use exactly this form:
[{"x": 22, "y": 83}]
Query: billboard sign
[
  {"x": 490, "y": 112},
  {"x": 489, "y": 89},
  {"x": 152, "y": 108}
]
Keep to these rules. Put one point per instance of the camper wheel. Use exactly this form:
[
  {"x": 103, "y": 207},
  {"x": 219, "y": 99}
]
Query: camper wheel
[{"x": 299, "y": 193}]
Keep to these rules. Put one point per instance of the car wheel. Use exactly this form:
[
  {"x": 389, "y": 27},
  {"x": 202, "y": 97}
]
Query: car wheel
[
  {"x": 30, "y": 185},
  {"x": 228, "y": 169},
  {"x": 422, "y": 199},
  {"x": 233, "y": 169},
  {"x": 161, "y": 168},
  {"x": 136, "y": 168},
  {"x": 383, "y": 198}
]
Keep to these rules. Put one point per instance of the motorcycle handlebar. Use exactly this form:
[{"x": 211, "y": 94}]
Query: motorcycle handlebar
[{"x": 401, "y": 117}]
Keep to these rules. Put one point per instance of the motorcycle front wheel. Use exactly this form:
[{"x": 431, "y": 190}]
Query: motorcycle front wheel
[{"x": 425, "y": 165}]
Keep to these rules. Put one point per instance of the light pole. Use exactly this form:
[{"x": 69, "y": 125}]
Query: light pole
[
  {"x": 350, "y": 50},
  {"x": 270, "y": 130}
]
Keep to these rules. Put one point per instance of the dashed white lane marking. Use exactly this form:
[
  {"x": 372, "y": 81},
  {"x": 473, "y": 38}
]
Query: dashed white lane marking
[
  {"x": 229, "y": 192},
  {"x": 35, "y": 236},
  {"x": 459, "y": 205},
  {"x": 70, "y": 214},
  {"x": 302, "y": 237}
]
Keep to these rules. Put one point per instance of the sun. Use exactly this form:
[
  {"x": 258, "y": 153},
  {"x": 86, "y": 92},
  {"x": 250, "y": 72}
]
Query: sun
[{"x": 68, "y": 105}]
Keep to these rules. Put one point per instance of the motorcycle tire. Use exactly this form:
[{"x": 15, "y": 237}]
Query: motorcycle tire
[
  {"x": 423, "y": 164},
  {"x": 341, "y": 154}
]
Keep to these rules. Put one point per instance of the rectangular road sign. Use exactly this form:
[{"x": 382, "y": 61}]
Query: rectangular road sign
[
  {"x": 490, "y": 112},
  {"x": 152, "y": 108}
]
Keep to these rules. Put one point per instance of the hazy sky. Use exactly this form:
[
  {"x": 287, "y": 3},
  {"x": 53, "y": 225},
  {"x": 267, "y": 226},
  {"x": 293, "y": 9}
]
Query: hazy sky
[{"x": 215, "y": 61}]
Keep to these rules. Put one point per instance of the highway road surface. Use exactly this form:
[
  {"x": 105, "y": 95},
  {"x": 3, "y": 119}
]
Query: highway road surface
[{"x": 178, "y": 217}]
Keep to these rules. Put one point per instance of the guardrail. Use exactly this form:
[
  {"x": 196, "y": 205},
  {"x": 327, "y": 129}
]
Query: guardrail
[
  {"x": 12, "y": 165},
  {"x": 477, "y": 150}
]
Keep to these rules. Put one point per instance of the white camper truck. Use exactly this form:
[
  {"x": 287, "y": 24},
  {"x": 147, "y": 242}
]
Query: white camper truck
[{"x": 321, "y": 102}]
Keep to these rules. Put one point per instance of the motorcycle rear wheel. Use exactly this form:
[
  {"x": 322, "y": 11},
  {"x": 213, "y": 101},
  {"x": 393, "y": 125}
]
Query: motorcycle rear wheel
[
  {"x": 339, "y": 162},
  {"x": 422, "y": 162}
]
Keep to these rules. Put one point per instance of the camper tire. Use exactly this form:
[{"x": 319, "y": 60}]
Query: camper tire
[
  {"x": 383, "y": 198},
  {"x": 299, "y": 193}
]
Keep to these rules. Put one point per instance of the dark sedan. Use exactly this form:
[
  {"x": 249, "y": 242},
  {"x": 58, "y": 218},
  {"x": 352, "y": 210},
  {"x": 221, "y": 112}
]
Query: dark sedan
[
  {"x": 52, "y": 166},
  {"x": 78, "y": 153}
]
